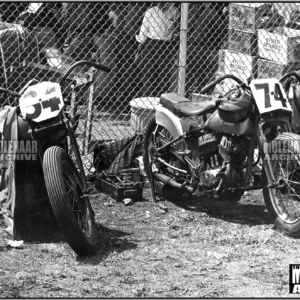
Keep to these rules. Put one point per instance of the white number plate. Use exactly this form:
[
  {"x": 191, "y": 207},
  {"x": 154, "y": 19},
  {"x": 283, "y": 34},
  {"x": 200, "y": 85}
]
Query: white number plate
[
  {"x": 42, "y": 101},
  {"x": 269, "y": 95}
]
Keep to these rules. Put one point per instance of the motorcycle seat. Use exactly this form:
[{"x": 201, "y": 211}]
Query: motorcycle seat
[
  {"x": 194, "y": 108},
  {"x": 168, "y": 100}
]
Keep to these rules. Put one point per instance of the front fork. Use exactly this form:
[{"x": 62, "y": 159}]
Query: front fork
[
  {"x": 64, "y": 120},
  {"x": 261, "y": 139},
  {"x": 266, "y": 162},
  {"x": 77, "y": 155}
]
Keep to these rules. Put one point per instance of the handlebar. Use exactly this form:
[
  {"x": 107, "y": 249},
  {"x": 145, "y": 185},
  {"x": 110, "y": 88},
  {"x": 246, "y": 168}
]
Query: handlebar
[
  {"x": 214, "y": 83},
  {"x": 83, "y": 62},
  {"x": 6, "y": 91},
  {"x": 289, "y": 75},
  {"x": 64, "y": 77},
  {"x": 241, "y": 83}
]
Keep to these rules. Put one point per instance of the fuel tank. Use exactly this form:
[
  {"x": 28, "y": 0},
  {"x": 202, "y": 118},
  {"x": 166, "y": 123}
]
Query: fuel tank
[{"x": 217, "y": 124}]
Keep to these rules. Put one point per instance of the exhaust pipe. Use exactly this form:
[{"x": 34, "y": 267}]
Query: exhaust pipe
[{"x": 171, "y": 182}]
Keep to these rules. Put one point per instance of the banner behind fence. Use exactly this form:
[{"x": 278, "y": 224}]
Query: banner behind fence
[{"x": 142, "y": 42}]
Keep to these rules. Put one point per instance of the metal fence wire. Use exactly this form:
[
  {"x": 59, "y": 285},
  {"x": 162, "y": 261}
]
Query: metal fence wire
[{"x": 152, "y": 47}]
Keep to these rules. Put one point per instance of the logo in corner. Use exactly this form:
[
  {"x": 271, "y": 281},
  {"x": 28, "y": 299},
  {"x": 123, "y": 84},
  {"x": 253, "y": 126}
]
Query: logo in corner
[{"x": 295, "y": 279}]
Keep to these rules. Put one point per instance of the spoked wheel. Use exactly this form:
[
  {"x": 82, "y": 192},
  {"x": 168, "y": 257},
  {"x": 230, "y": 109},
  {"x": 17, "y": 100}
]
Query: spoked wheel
[
  {"x": 155, "y": 137},
  {"x": 283, "y": 201},
  {"x": 73, "y": 211}
]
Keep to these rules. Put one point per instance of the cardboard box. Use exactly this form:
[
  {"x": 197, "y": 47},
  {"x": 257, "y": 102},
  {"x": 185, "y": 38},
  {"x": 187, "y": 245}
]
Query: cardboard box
[
  {"x": 286, "y": 31},
  {"x": 251, "y": 16},
  {"x": 278, "y": 47},
  {"x": 242, "y": 42},
  {"x": 243, "y": 16},
  {"x": 290, "y": 67},
  {"x": 235, "y": 63},
  {"x": 269, "y": 69},
  {"x": 286, "y": 10}
]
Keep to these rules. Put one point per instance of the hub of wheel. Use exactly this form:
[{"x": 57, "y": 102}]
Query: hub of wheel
[{"x": 282, "y": 187}]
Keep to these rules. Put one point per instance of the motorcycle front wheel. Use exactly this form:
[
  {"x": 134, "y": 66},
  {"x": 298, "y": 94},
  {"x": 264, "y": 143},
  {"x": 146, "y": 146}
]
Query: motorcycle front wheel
[
  {"x": 283, "y": 201},
  {"x": 73, "y": 212}
]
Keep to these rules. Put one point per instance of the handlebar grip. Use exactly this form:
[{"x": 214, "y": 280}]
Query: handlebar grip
[
  {"x": 102, "y": 67},
  {"x": 214, "y": 83}
]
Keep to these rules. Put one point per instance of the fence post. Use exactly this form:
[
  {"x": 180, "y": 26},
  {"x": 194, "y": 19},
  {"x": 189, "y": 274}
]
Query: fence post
[{"x": 182, "y": 51}]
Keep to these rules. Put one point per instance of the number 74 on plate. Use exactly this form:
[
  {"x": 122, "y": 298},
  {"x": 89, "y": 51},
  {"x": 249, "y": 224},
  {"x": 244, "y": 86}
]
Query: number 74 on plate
[{"x": 269, "y": 95}]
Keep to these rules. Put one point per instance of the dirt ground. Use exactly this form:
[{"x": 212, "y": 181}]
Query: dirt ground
[{"x": 198, "y": 248}]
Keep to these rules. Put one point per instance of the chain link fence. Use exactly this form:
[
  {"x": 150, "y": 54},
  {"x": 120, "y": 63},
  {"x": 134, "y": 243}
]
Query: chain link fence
[{"x": 151, "y": 47}]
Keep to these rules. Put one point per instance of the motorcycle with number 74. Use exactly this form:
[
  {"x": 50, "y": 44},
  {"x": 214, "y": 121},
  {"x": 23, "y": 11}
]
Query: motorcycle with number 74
[{"x": 242, "y": 142}]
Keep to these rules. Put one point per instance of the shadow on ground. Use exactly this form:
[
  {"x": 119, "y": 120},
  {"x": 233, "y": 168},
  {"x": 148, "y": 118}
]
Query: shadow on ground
[
  {"x": 38, "y": 227},
  {"x": 250, "y": 210},
  {"x": 43, "y": 228},
  {"x": 109, "y": 241}
]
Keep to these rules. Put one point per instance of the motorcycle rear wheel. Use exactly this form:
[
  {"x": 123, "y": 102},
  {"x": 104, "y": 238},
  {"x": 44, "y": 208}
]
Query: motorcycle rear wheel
[
  {"x": 284, "y": 204},
  {"x": 159, "y": 135},
  {"x": 73, "y": 212}
]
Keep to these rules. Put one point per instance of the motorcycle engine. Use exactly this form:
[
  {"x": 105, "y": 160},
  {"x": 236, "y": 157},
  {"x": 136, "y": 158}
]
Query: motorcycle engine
[{"x": 234, "y": 149}]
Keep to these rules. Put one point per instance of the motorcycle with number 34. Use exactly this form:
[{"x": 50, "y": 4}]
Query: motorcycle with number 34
[{"x": 242, "y": 142}]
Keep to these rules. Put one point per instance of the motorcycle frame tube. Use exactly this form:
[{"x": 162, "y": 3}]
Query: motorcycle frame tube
[
  {"x": 251, "y": 149},
  {"x": 77, "y": 154}
]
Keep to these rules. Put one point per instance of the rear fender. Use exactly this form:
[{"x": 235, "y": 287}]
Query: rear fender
[{"x": 168, "y": 120}]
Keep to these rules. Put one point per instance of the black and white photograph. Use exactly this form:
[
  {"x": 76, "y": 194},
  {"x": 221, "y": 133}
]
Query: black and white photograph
[{"x": 149, "y": 149}]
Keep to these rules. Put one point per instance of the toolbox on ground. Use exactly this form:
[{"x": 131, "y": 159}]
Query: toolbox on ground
[{"x": 127, "y": 185}]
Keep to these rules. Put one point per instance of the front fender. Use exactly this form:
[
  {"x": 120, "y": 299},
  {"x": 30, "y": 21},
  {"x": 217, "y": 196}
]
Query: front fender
[{"x": 168, "y": 120}]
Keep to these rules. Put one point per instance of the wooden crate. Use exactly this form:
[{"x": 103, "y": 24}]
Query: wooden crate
[
  {"x": 242, "y": 42},
  {"x": 235, "y": 63},
  {"x": 249, "y": 16},
  {"x": 293, "y": 66},
  {"x": 281, "y": 48},
  {"x": 269, "y": 69}
]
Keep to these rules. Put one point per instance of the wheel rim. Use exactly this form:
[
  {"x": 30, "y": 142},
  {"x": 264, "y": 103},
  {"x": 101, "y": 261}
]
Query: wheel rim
[
  {"x": 76, "y": 201},
  {"x": 287, "y": 198}
]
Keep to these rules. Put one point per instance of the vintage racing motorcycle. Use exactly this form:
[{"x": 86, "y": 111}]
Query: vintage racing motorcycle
[
  {"x": 42, "y": 117},
  {"x": 241, "y": 142}
]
